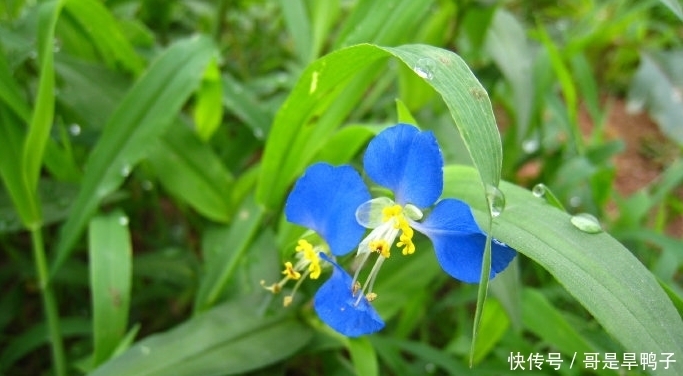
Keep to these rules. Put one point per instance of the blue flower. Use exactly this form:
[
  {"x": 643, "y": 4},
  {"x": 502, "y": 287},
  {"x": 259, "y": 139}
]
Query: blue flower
[
  {"x": 338, "y": 306},
  {"x": 334, "y": 202},
  {"x": 319, "y": 203},
  {"x": 409, "y": 163}
]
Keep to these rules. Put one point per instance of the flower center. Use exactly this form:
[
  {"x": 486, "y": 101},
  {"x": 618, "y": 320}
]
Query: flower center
[
  {"x": 307, "y": 265},
  {"x": 388, "y": 221}
]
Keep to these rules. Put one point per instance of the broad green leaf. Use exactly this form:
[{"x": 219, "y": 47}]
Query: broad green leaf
[
  {"x": 658, "y": 86},
  {"x": 43, "y": 111},
  {"x": 363, "y": 356},
  {"x": 233, "y": 338},
  {"x": 600, "y": 273},
  {"x": 190, "y": 170},
  {"x": 225, "y": 259},
  {"x": 143, "y": 115},
  {"x": 295, "y": 133},
  {"x": 110, "y": 261},
  {"x": 208, "y": 108}
]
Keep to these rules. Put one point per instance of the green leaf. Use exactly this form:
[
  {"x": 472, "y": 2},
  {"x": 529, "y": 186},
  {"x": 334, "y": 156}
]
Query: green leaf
[
  {"x": 143, "y": 115},
  {"x": 600, "y": 273},
  {"x": 24, "y": 198},
  {"x": 547, "y": 322},
  {"x": 298, "y": 25},
  {"x": 363, "y": 356},
  {"x": 208, "y": 108},
  {"x": 41, "y": 120},
  {"x": 224, "y": 259},
  {"x": 110, "y": 262},
  {"x": 658, "y": 86},
  {"x": 192, "y": 172},
  {"x": 675, "y": 7},
  {"x": 296, "y": 130},
  {"x": 230, "y": 339},
  {"x": 494, "y": 323},
  {"x": 104, "y": 33}
]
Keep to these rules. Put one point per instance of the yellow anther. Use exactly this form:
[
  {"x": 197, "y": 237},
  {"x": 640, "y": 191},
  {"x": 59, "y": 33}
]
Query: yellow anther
[
  {"x": 380, "y": 246},
  {"x": 287, "y": 300},
  {"x": 274, "y": 288},
  {"x": 356, "y": 286},
  {"x": 314, "y": 269},
  {"x": 371, "y": 296},
  {"x": 390, "y": 212},
  {"x": 290, "y": 272}
]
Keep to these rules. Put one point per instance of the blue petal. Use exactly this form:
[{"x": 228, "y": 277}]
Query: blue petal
[
  {"x": 336, "y": 306},
  {"x": 408, "y": 162},
  {"x": 325, "y": 199},
  {"x": 459, "y": 242}
]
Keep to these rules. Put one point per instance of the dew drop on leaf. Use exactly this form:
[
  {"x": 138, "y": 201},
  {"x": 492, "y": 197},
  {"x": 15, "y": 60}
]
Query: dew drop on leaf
[
  {"x": 425, "y": 68},
  {"x": 74, "y": 129},
  {"x": 496, "y": 200},
  {"x": 586, "y": 223},
  {"x": 538, "y": 190},
  {"x": 123, "y": 220},
  {"x": 125, "y": 170}
]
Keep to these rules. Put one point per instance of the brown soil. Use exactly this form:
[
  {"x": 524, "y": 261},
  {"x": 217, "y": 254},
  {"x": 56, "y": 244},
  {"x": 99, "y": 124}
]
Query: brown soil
[{"x": 647, "y": 153}]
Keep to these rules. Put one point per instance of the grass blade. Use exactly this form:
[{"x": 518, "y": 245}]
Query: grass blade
[
  {"x": 110, "y": 261},
  {"x": 144, "y": 114}
]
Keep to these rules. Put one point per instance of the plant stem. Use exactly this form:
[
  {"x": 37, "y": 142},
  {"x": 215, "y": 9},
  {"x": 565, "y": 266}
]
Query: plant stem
[{"x": 49, "y": 302}]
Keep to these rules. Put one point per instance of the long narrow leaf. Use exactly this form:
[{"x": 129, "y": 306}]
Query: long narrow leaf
[
  {"x": 41, "y": 120},
  {"x": 110, "y": 256},
  {"x": 622, "y": 295},
  {"x": 229, "y": 339},
  {"x": 144, "y": 114},
  {"x": 294, "y": 131}
]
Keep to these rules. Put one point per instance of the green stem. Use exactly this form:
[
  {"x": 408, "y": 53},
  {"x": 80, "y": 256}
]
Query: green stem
[{"x": 49, "y": 302}]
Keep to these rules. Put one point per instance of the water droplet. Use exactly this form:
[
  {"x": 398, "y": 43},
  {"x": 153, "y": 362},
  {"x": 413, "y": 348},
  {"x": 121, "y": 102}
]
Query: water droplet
[
  {"x": 258, "y": 133},
  {"x": 530, "y": 146},
  {"x": 243, "y": 215},
  {"x": 74, "y": 129},
  {"x": 676, "y": 95},
  {"x": 125, "y": 170},
  {"x": 123, "y": 220},
  {"x": 57, "y": 46},
  {"x": 586, "y": 223},
  {"x": 538, "y": 190},
  {"x": 147, "y": 185},
  {"x": 575, "y": 201},
  {"x": 496, "y": 200},
  {"x": 425, "y": 68}
]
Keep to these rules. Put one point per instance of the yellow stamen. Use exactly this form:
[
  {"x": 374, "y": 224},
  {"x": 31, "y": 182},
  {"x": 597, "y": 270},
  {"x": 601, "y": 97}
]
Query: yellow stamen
[
  {"x": 287, "y": 300},
  {"x": 380, "y": 246},
  {"x": 371, "y": 296},
  {"x": 290, "y": 272},
  {"x": 274, "y": 288},
  {"x": 390, "y": 212}
]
